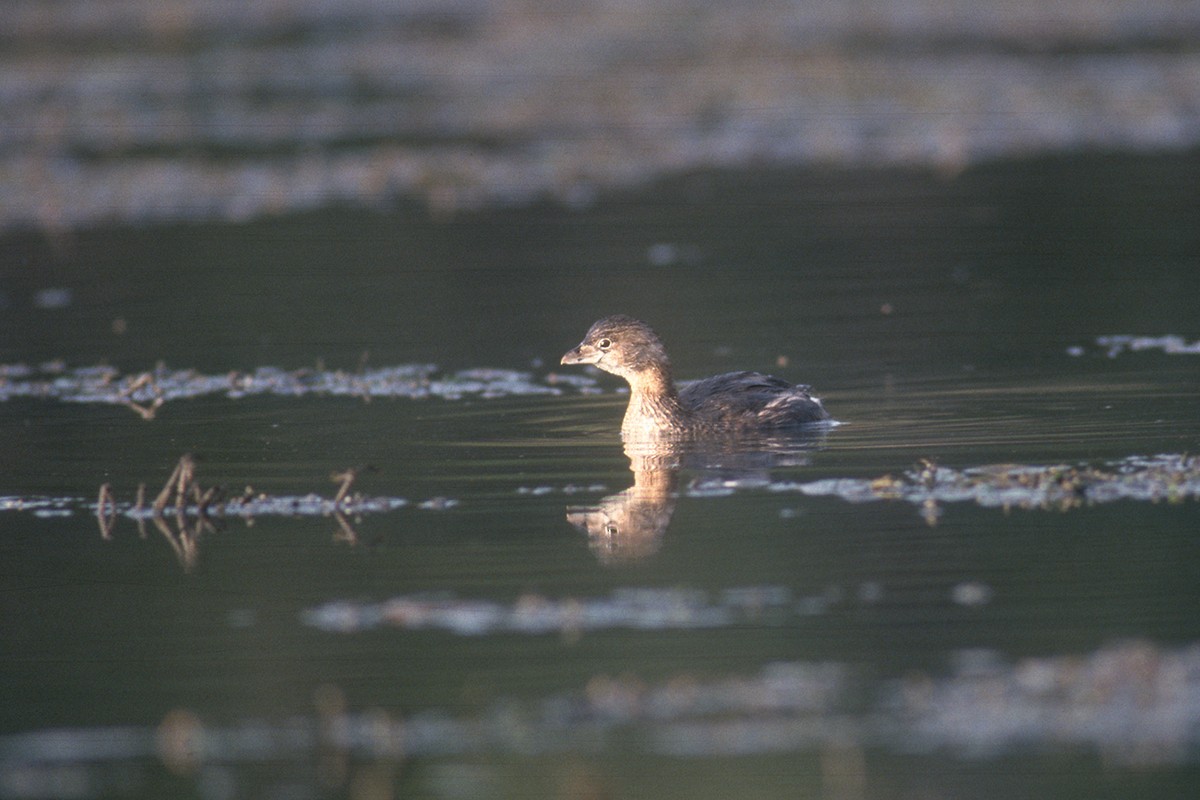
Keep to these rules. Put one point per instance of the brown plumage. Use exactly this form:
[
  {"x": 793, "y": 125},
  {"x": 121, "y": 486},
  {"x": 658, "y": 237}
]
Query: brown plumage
[{"x": 736, "y": 402}]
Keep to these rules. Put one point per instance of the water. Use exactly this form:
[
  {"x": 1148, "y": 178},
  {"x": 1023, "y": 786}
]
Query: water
[{"x": 1022, "y": 598}]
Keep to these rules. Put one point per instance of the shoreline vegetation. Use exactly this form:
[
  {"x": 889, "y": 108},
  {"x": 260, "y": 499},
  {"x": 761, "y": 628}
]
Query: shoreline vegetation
[{"x": 139, "y": 111}]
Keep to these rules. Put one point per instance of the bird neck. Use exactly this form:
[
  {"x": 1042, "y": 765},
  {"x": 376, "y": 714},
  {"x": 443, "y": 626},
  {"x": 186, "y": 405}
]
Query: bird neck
[{"x": 654, "y": 405}]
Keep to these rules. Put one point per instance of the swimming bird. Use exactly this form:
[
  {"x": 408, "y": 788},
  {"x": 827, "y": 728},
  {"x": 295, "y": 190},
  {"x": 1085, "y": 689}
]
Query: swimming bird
[{"x": 735, "y": 403}]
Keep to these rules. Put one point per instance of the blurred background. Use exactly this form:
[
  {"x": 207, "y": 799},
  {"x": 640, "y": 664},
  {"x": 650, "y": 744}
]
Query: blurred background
[
  {"x": 141, "y": 110},
  {"x": 227, "y": 225}
]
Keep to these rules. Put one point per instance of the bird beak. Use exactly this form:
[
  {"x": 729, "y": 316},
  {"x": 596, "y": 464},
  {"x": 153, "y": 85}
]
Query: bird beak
[
  {"x": 583, "y": 354},
  {"x": 578, "y": 516}
]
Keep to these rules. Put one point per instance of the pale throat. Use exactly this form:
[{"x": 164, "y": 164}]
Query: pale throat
[{"x": 653, "y": 402}]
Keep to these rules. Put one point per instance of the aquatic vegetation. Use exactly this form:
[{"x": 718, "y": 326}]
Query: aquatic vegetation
[
  {"x": 1113, "y": 346},
  {"x": 1167, "y": 477},
  {"x": 40, "y": 506},
  {"x": 534, "y": 614},
  {"x": 1059, "y": 487},
  {"x": 146, "y": 392},
  {"x": 1133, "y": 703},
  {"x": 570, "y": 488},
  {"x": 183, "y": 511},
  {"x": 366, "y": 102},
  {"x": 182, "y": 495},
  {"x": 629, "y": 608}
]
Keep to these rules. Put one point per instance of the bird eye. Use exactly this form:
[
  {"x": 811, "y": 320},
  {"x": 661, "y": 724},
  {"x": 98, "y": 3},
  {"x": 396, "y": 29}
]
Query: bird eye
[{"x": 604, "y": 344}]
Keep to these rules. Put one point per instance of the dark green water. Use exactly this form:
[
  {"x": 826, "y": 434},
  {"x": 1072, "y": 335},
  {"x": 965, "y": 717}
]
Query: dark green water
[{"x": 946, "y": 319}]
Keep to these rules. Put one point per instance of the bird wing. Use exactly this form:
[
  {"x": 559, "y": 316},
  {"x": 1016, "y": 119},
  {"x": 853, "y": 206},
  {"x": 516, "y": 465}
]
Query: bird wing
[{"x": 768, "y": 399}]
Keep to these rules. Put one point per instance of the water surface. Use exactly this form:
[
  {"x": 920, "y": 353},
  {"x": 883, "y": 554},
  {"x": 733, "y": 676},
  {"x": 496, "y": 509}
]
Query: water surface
[{"x": 472, "y": 642}]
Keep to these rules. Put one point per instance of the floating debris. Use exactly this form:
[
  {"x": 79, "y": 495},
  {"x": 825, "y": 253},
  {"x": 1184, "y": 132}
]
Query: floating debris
[
  {"x": 535, "y": 614},
  {"x": 464, "y": 105},
  {"x": 146, "y": 392},
  {"x": 1170, "y": 478},
  {"x": 437, "y": 504},
  {"x": 40, "y": 506},
  {"x": 971, "y": 593},
  {"x": 1134, "y": 704},
  {"x": 1114, "y": 346},
  {"x": 53, "y": 298},
  {"x": 571, "y": 488}
]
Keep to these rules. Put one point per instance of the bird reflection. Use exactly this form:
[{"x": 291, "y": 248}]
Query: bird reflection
[{"x": 629, "y": 526}]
